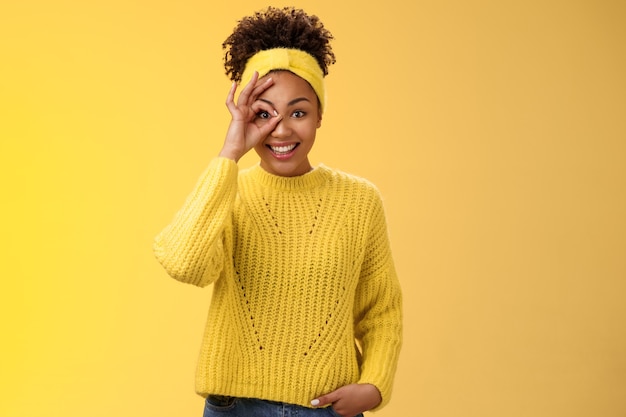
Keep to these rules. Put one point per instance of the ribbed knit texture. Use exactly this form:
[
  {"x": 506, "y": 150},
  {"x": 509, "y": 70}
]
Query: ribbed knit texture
[{"x": 301, "y": 268}]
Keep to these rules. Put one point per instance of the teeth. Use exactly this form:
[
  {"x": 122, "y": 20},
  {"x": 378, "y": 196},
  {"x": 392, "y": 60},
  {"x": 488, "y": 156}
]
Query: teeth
[{"x": 282, "y": 149}]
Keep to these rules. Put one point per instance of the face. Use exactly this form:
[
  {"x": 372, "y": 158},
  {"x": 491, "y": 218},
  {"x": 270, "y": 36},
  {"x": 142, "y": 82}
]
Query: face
[{"x": 285, "y": 150}]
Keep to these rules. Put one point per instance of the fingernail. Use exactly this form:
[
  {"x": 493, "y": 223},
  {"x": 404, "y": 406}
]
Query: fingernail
[
  {"x": 315, "y": 402},
  {"x": 275, "y": 113}
]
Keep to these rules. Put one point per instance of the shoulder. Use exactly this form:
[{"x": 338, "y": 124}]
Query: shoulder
[
  {"x": 362, "y": 187},
  {"x": 359, "y": 194}
]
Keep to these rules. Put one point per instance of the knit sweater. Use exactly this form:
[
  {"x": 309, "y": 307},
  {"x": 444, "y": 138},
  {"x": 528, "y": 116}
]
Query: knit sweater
[{"x": 305, "y": 297}]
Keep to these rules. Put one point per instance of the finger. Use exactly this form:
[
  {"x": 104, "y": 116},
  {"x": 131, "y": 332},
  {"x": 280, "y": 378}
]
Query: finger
[
  {"x": 261, "y": 87},
  {"x": 230, "y": 99},
  {"x": 244, "y": 96},
  {"x": 264, "y": 127},
  {"x": 262, "y": 106},
  {"x": 269, "y": 126},
  {"x": 325, "y": 399},
  {"x": 252, "y": 95}
]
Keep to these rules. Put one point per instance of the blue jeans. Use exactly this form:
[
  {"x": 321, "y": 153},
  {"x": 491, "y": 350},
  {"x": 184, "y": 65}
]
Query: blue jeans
[{"x": 217, "y": 406}]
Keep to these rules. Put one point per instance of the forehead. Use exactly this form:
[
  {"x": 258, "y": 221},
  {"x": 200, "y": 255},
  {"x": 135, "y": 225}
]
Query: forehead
[{"x": 287, "y": 86}]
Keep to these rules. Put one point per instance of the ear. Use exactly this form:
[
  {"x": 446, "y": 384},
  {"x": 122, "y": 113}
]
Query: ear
[{"x": 319, "y": 119}]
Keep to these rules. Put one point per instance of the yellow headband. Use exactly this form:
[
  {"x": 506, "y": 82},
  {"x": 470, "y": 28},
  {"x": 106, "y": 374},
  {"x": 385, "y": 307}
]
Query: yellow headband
[{"x": 301, "y": 63}]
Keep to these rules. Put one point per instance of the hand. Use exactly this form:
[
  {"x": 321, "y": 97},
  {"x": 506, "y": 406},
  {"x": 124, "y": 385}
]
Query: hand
[
  {"x": 350, "y": 400},
  {"x": 245, "y": 131}
]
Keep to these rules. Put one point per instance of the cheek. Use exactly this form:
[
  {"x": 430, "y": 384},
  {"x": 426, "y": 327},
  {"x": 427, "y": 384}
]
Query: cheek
[{"x": 311, "y": 129}]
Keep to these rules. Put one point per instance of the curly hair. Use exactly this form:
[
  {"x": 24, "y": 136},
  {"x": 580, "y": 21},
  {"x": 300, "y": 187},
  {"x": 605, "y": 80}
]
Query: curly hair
[{"x": 277, "y": 28}]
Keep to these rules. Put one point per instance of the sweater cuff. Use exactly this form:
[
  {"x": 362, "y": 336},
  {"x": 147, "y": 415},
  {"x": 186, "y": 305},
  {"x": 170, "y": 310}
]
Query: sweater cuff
[{"x": 382, "y": 377}]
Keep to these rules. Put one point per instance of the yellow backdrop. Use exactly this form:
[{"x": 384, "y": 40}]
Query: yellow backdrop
[{"x": 496, "y": 131}]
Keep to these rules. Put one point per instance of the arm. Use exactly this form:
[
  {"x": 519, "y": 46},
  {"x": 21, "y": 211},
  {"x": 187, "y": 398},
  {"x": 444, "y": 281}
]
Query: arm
[
  {"x": 378, "y": 326},
  {"x": 378, "y": 309},
  {"x": 191, "y": 248}
]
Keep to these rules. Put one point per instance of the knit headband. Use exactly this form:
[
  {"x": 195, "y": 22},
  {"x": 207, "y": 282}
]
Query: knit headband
[{"x": 301, "y": 63}]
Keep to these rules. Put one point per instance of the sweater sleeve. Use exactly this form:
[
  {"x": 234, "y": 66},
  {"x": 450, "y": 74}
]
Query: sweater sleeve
[
  {"x": 378, "y": 309},
  {"x": 191, "y": 247}
]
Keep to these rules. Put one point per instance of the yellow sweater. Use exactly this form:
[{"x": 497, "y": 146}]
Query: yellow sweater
[{"x": 305, "y": 296}]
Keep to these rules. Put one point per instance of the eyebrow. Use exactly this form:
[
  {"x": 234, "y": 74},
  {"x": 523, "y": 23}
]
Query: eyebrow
[{"x": 291, "y": 103}]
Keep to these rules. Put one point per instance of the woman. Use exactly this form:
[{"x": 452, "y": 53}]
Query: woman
[{"x": 306, "y": 309}]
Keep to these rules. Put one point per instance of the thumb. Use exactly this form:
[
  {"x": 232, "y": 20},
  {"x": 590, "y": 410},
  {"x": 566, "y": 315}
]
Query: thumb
[
  {"x": 271, "y": 124},
  {"x": 325, "y": 399}
]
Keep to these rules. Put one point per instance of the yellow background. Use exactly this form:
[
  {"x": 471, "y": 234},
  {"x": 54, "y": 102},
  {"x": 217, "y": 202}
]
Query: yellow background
[{"x": 496, "y": 131}]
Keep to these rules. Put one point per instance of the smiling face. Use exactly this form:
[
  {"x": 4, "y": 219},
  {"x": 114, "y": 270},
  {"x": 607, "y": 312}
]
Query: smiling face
[{"x": 285, "y": 150}]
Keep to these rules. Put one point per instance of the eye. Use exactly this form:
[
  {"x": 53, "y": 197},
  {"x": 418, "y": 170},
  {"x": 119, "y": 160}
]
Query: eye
[
  {"x": 263, "y": 114},
  {"x": 298, "y": 114}
]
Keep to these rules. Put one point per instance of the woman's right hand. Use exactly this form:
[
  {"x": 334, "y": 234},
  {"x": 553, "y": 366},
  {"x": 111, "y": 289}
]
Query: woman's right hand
[{"x": 243, "y": 132}]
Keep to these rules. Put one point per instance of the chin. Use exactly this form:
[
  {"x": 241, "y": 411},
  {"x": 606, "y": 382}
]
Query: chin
[{"x": 286, "y": 170}]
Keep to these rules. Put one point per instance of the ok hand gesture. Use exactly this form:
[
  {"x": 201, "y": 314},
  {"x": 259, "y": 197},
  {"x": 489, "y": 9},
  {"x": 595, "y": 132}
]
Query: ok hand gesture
[{"x": 243, "y": 133}]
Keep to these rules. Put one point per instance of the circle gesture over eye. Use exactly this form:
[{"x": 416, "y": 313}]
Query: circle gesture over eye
[{"x": 245, "y": 131}]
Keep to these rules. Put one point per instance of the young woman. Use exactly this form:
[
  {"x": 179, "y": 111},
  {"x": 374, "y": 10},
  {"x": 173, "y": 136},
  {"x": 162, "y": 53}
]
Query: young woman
[{"x": 305, "y": 316}]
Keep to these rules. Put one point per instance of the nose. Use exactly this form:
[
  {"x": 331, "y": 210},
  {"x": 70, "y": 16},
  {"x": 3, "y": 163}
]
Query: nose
[{"x": 282, "y": 130}]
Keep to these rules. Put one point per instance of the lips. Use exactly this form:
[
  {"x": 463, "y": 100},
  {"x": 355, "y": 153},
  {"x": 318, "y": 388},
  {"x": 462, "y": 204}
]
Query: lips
[{"x": 282, "y": 150}]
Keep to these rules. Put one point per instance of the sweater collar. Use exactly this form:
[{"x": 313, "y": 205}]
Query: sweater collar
[{"x": 314, "y": 178}]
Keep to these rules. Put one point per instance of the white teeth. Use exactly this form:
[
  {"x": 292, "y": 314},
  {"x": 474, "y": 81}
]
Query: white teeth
[{"x": 282, "y": 149}]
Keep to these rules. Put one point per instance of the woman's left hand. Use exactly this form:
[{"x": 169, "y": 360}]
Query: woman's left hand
[{"x": 350, "y": 400}]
